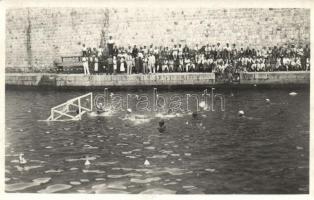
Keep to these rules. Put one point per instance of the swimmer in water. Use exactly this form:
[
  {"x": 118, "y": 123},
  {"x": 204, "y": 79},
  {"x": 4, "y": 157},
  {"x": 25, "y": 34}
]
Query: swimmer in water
[
  {"x": 194, "y": 115},
  {"x": 162, "y": 126},
  {"x": 100, "y": 109},
  {"x": 241, "y": 113}
]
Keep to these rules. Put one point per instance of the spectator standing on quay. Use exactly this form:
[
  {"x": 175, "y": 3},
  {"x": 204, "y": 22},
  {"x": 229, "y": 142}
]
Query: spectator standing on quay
[
  {"x": 115, "y": 51},
  {"x": 85, "y": 66},
  {"x": 100, "y": 51},
  {"x": 145, "y": 64},
  {"x": 96, "y": 64},
  {"x": 129, "y": 62},
  {"x": 151, "y": 63},
  {"x": 84, "y": 51},
  {"x": 109, "y": 68},
  {"x": 134, "y": 51},
  {"x": 122, "y": 64},
  {"x": 110, "y": 45},
  {"x": 114, "y": 61}
]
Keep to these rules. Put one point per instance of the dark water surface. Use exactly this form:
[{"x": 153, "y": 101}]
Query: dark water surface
[{"x": 219, "y": 153}]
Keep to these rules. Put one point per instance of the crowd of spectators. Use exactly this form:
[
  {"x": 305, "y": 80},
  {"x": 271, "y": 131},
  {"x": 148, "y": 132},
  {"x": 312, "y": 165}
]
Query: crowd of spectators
[{"x": 217, "y": 58}]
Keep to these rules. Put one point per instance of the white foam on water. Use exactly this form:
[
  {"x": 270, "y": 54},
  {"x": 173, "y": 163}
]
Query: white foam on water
[
  {"x": 210, "y": 170},
  {"x": 75, "y": 183},
  {"x": 117, "y": 185},
  {"x": 166, "y": 151},
  {"x": 104, "y": 189},
  {"x": 54, "y": 171},
  {"x": 122, "y": 144},
  {"x": 126, "y": 152},
  {"x": 124, "y": 175},
  {"x": 93, "y": 171},
  {"x": 293, "y": 93},
  {"x": 27, "y": 168},
  {"x": 158, "y": 156},
  {"x": 137, "y": 150},
  {"x": 55, "y": 188},
  {"x": 150, "y": 148},
  {"x": 100, "y": 179},
  {"x": 22, "y": 186},
  {"x": 171, "y": 183},
  {"x": 132, "y": 157},
  {"x": 91, "y": 147},
  {"x": 188, "y": 186},
  {"x": 158, "y": 191},
  {"x": 122, "y": 168},
  {"x": 80, "y": 159},
  {"x": 106, "y": 163},
  {"x": 147, "y": 180}
]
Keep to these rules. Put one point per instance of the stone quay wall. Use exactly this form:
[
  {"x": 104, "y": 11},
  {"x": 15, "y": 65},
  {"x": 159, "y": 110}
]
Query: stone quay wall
[
  {"x": 36, "y": 37},
  {"x": 169, "y": 79}
]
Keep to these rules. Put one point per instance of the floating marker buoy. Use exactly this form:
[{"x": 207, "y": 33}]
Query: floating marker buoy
[
  {"x": 241, "y": 113},
  {"x": 22, "y": 160},
  {"x": 202, "y": 104},
  {"x": 87, "y": 162},
  {"x": 267, "y": 100},
  {"x": 146, "y": 163},
  {"x": 293, "y": 93}
]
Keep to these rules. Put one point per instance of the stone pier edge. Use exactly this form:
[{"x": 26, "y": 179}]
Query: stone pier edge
[{"x": 162, "y": 79}]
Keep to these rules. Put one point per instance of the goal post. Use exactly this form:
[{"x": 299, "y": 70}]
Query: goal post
[{"x": 73, "y": 109}]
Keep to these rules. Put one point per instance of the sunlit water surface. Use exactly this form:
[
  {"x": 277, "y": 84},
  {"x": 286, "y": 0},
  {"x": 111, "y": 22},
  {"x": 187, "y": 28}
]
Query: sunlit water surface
[{"x": 267, "y": 151}]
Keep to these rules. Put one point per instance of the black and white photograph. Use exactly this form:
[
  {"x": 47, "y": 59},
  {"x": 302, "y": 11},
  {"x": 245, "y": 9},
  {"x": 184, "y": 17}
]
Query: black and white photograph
[{"x": 156, "y": 99}]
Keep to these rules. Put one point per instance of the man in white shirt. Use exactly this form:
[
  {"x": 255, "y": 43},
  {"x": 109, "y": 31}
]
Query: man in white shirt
[
  {"x": 151, "y": 63},
  {"x": 85, "y": 66}
]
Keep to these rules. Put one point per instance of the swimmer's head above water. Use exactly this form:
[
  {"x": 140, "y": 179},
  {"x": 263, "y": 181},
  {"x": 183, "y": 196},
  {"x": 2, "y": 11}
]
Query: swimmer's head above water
[
  {"x": 129, "y": 111},
  {"x": 194, "y": 114},
  {"x": 161, "y": 123},
  {"x": 241, "y": 113}
]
